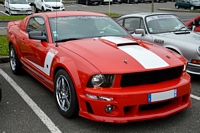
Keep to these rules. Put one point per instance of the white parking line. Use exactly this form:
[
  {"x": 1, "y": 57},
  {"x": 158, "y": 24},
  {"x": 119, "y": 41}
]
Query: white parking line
[
  {"x": 195, "y": 97},
  {"x": 42, "y": 116},
  {"x": 4, "y": 13}
]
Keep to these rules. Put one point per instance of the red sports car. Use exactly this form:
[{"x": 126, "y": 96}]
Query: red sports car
[
  {"x": 96, "y": 69},
  {"x": 194, "y": 23}
]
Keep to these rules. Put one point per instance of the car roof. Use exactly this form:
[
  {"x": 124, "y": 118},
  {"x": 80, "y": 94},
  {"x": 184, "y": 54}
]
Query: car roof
[
  {"x": 144, "y": 14},
  {"x": 70, "y": 13}
]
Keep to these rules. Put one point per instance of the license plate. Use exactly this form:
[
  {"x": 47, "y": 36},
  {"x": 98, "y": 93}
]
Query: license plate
[{"x": 159, "y": 96}]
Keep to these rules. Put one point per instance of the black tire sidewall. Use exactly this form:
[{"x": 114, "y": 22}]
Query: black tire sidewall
[
  {"x": 18, "y": 64},
  {"x": 73, "y": 109}
]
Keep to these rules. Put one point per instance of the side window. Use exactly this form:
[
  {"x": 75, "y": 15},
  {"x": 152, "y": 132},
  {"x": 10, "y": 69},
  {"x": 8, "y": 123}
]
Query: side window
[
  {"x": 120, "y": 22},
  {"x": 132, "y": 23},
  {"x": 37, "y": 24},
  {"x": 198, "y": 22}
]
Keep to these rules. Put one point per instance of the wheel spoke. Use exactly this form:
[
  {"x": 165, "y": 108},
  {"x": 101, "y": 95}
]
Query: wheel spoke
[{"x": 62, "y": 93}]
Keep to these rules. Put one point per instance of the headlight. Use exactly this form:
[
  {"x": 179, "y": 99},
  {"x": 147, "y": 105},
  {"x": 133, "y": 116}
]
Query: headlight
[
  {"x": 101, "y": 80},
  {"x": 62, "y": 6},
  {"x": 13, "y": 8},
  {"x": 47, "y": 5},
  {"x": 198, "y": 50}
]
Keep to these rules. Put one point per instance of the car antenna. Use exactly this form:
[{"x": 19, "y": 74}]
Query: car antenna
[{"x": 56, "y": 26}]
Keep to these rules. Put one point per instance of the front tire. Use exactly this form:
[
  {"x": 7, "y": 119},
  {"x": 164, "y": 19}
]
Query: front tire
[
  {"x": 14, "y": 61},
  {"x": 10, "y": 12},
  {"x": 65, "y": 94},
  {"x": 87, "y": 2},
  {"x": 42, "y": 10},
  {"x": 35, "y": 9},
  {"x": 176, "y": 6},
  {"x": 192, "y": 8}
]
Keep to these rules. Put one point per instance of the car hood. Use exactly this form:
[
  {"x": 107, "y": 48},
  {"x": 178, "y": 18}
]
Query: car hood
[
  {"x": 191, "y": 37},
  {"x": 20, "y": 6},
  {"x": 55, "y": 4},
  {"x": 121, "y": 55}
]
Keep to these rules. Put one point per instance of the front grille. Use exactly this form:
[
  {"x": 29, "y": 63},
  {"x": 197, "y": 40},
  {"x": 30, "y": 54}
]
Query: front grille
[
  {"x": 55, "y": 7},
  {"x": 150, "y": 77}
]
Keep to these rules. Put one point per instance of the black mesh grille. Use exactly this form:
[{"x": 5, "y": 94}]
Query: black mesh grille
[
  {"x": 150, "y": 77},
  {"x": 55, "y": 7}
]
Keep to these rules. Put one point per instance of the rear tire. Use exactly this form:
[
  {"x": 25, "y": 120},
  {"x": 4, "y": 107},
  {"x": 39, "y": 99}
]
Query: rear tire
[{"x": 14, "y": 61}]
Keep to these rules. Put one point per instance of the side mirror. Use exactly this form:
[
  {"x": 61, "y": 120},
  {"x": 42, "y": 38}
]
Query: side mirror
[
  {"x": 193, "y": 27},
  {"x": 195, "y": 23},
  {"x": 139, "y": 31},
  {"x": 37, "y": 35}
]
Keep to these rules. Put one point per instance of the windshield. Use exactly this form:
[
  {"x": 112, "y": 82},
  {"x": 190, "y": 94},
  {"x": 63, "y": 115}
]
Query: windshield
[
  {"x": 85, "y": 27},
  {"x": 164, "y": 23},
  {"x": 18, "y": 2}
]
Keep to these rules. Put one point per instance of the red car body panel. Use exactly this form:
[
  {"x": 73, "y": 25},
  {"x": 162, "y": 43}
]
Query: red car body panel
[
  {"x": 189, "y": 24},
  {"x": 103, "y": 56}
]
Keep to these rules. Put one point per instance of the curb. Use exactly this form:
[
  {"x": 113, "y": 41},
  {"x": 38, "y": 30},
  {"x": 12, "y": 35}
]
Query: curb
[
  {"x": 4, "y": 59},
  {"x": 174, "y": 10}
]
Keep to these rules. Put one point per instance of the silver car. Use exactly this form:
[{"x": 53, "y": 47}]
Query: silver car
[{"x": 168, "y": 31}]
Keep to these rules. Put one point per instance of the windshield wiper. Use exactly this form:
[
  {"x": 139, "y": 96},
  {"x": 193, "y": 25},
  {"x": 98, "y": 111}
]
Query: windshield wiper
[
  {"x": 180, "y": 29},
  {"x": 67, "y": 39}
]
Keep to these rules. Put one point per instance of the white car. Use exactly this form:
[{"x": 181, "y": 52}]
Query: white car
[
  {"x": 48, "y": 5},
  {"x": 106, "y": 2},
  {"x": 17, "y": 7}
]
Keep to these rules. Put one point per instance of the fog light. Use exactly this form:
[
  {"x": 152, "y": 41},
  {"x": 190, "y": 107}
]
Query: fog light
[
  {"x": 109, "y": 108},
  {"x": 91, "y": 96},
  {"x": 99, "y": 97}
]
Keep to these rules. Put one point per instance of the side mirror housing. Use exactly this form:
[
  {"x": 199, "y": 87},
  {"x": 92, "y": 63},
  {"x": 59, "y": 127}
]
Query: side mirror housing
[
  {"x": 139, "y": 31},
  {"x": 37, "y": 35}
]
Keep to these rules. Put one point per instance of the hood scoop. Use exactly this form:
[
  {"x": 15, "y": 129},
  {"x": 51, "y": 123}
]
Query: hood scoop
[{"x": 118, "y": 41}]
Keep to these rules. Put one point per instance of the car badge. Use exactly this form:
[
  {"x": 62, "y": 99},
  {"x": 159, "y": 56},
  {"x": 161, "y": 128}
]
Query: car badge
[{"x": 125, "y": 61}]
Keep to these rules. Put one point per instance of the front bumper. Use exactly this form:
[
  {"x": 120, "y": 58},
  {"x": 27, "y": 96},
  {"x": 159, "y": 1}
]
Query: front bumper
[
  {"x": 55, "y": 9},
  {"x": 193, "y": 68},
  {"x": 28, "y": 12},
  {"x": 132, "y": 104}
]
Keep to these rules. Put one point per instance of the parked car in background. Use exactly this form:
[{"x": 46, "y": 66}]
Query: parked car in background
[
  {"x": 166, "y": 30},
  {"x": 48, "y": 5},
  {"x": 96, "y": 69},
  {"x": 89, "y": 2},
  {"x": 106, "y": 2},
  {"x": 194, "y": 24},
  {"x": 117, "y": 1},
  {"x": 13, "y": 7},
  {"x": 187, "y": 4},
  {"x": 129, "y": 1}
]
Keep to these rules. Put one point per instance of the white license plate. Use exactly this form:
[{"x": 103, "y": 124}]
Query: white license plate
[{"x": 153, "y": 97}]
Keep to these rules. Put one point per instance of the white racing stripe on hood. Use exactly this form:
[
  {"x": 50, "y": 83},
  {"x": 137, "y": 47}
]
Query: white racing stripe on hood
[
  {"x": 145, "y": 57},
  {"x": 118, "y": 40}
]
